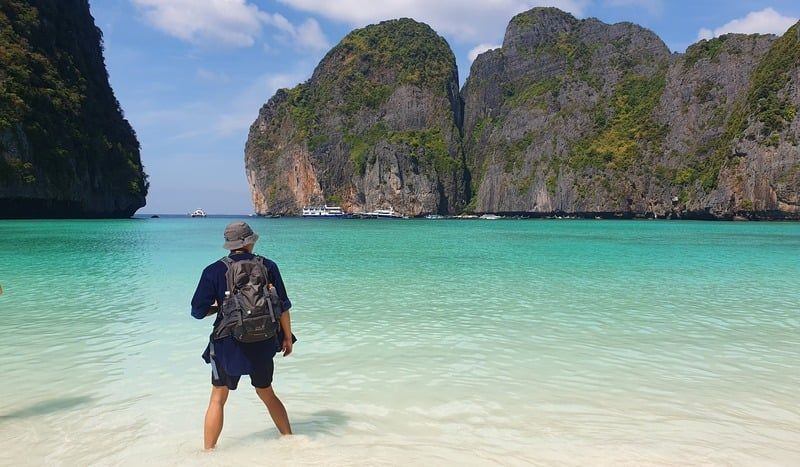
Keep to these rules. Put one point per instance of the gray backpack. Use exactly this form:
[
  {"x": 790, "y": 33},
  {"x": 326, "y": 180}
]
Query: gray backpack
[{"x": 251, "y": 307}]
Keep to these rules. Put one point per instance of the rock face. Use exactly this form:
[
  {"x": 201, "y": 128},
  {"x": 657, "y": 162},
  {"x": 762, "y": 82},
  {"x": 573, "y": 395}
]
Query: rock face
[
  {"x": 569, "y": 116},
  {"x": 376, "y": 126},
  {"x": 556, "y": 118},
  {"x": 580, "y": 117},
  {"x": 65, "y": 148}
]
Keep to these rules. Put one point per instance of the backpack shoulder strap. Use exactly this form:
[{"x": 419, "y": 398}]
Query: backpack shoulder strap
[
  {"x": 227, "y": 261},
  {"x": 262, "y": 261}
]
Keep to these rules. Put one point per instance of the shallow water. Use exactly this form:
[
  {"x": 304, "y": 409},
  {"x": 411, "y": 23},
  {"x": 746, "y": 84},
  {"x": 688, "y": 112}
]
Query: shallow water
[{"x": 429, "y": 342}]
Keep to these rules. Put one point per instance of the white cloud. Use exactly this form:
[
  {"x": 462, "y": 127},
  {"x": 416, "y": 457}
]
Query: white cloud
[
  {"x": 766, "y": 21},
  {"x": 309, "y": 35},
  {"x": 465, "y": 20},
  {"x": 479, "y": 49},
  {"x": 278, "y": 21},
  {"x": 229, "y": 22},
  {"x": 654, "y": 7},
  {"x": 234, "y": 23}
]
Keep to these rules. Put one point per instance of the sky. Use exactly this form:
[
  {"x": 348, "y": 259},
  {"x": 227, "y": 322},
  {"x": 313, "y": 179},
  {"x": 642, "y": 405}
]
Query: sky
[{"x": 191, "y": 75}]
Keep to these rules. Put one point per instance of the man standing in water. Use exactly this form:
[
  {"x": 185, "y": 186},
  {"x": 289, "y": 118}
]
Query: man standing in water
[{"x": 230, "y": 358}]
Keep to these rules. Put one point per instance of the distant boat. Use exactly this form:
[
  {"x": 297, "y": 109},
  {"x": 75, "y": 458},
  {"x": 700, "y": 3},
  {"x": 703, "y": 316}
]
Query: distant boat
[
  {"x": 491, "y": 217},
  {"x": 434, "y": 216},
  {"x": 323, "y": 211},
  {"x": 154, "y": 216},
  {"x": 198, "y": 213},
  {"x": 384, "y": 214}
]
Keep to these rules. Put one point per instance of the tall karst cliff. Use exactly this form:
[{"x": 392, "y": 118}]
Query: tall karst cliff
[
  {"x": 65, "y": 148},
  {"x": 578, "y": 116},
  {"x": 376, "y": 126},
  {"x": 568, "y": 116}
]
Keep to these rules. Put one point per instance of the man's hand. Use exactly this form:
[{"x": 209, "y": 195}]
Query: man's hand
[
  {"x": 286, "y": 346},
  {"x": 286, "y": 327}
]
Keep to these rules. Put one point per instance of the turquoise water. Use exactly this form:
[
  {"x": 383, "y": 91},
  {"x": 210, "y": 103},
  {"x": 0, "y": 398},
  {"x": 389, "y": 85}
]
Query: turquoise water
[{"x": 424, "y": 342}]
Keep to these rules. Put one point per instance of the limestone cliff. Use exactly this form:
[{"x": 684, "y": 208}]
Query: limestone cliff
[
  {"x": 581, "y": 117},
  {"x": 65, "y": 148},
  {"x": 569, "y": 116},
  {"x": 376, "y": 126}
]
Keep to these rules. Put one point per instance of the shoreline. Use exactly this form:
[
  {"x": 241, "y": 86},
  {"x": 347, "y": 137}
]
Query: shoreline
[{"x": 759, "y": 216}]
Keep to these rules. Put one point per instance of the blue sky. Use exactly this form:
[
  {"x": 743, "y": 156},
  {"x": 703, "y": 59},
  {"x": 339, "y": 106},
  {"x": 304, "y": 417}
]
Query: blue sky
[{"x": 192, "y": 74}]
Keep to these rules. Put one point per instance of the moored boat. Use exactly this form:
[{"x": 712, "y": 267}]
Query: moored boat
[
  {"x": 323, "y": 211},
  {"x": 386, "y": 214}
]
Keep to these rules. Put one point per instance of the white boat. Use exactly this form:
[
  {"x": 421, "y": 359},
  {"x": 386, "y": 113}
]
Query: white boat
[
  {"x": 198, "y": 213},
  {"x": 381, "y": 214},
  {"x": 434, "y": 216},
  {"x": 386, "y": 214},
  {"x": 491, "y": 217},
  {"x": 323, "y": 211}
]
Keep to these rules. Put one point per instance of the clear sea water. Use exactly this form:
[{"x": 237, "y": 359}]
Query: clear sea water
[{"x": 421, "y": 342}]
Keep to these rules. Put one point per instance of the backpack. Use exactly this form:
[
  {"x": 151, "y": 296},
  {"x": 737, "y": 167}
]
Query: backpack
[{"x": 251, "y": 307}]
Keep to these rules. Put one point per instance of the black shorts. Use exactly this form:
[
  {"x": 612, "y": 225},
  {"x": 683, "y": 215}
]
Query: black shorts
[{"x": 261, "y": 378}]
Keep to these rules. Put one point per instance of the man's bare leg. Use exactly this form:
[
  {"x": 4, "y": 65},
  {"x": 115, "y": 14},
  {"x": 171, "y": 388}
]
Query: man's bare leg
[
  {"x": 215, "y": 415},
  {"x": 276, "y": 409}
]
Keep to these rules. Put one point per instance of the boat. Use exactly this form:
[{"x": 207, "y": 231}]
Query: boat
[
  {"x": 323, "y": 211},
  {"x": 490, "y": 217},
  {"x": 380, "y": 214},
  {"x": 198, "y": 213},
  {"x": 387, "y": 214},
  {"x": 434, "y": 216}
]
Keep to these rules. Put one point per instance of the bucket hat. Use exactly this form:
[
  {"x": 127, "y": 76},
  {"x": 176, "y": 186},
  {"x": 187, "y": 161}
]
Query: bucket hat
[{"x": 238, "y": 234}]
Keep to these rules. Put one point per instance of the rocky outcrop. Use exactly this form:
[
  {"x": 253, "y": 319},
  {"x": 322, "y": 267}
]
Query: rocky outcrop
[
  {"x": 376, "y": 126},
  {"x": 568, "y": 117},
  {"x": 556, "y": 118},
  {"x": 581, "y": 117},
  {"x": 65, "y": 148}
]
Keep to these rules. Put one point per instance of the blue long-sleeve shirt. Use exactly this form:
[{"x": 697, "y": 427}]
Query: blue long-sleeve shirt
[{"x": 235, "y": 357}]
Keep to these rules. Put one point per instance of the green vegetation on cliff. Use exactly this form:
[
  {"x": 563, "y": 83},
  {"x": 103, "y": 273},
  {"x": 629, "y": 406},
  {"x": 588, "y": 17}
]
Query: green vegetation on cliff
[
  {"x": 58, "y": 116},
  {"x": 765, "y": 99},
  {"x": 360, "y": 73},
  {"x": 705, "y": 49},
  {"x": 632, "y": 129},
  {"x": 356, "y": 74},
  {"x": 425, "y": 147},
  {"x": 398, "y": 46},
  {"x": 765, "y": 103}
]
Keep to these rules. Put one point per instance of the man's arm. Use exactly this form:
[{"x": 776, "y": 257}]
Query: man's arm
[
  {"x": 203, "y": 302},
  {"x": 286, "y": 326}
]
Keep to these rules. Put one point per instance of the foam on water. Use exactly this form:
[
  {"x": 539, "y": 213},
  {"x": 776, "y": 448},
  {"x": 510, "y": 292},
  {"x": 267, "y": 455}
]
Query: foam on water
[{"x": 429, "y": 342}]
